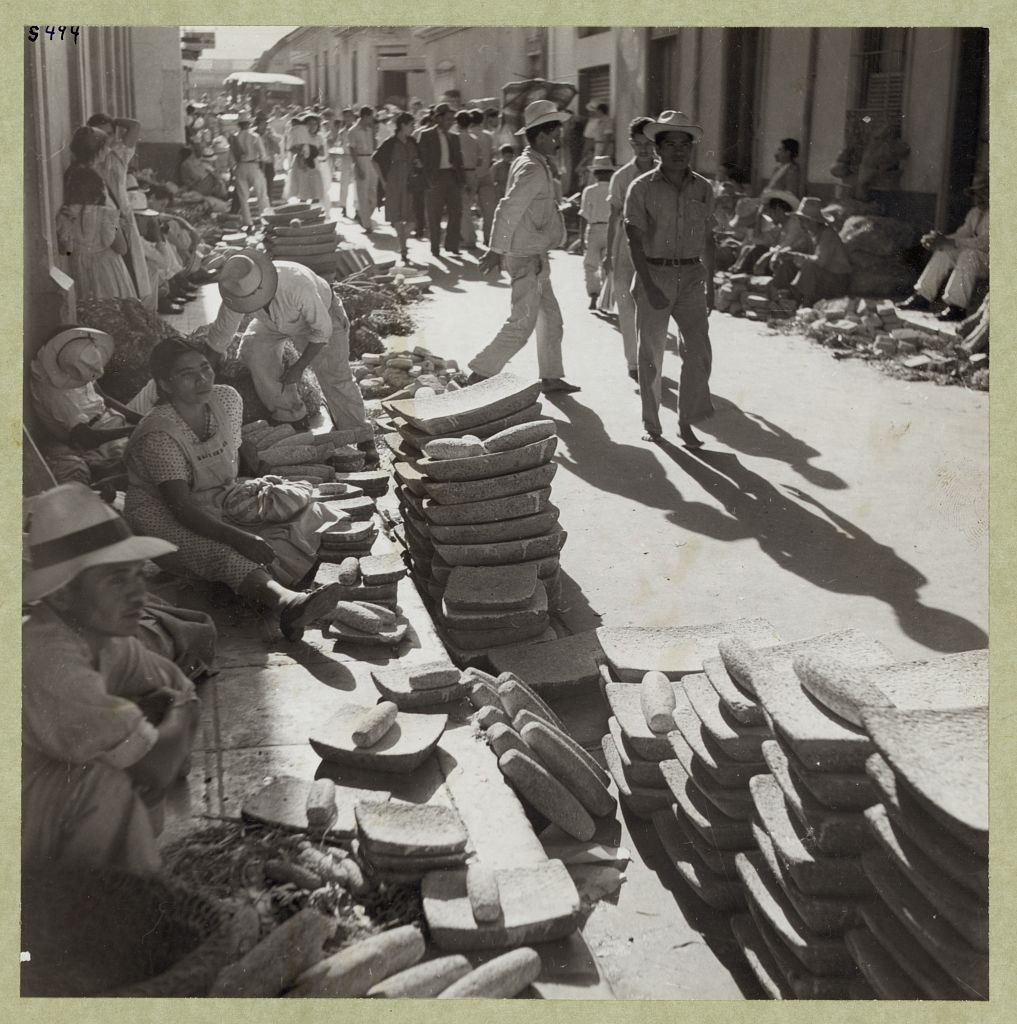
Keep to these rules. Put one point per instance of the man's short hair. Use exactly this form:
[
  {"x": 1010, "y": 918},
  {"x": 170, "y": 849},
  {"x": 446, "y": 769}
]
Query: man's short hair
[
  {"x": 791, "y": 145},
  {"x": 463, "y": 119},
  {"x": 507, "y": 149},
  {"x": 442, "y": 109},
  {"x": 779, "y": 204},
  {"x": 366, "y": 111},
  {"x": 476, "y": 116},
  {"x": 548, "y": 126},
  {"x": 491, "y": 112},
  {"x": 637, "y": 124},
  {"x": 97, "y": 119},
  {"x": 347, "y": 110},
  {"x": 601, "y": 108}
]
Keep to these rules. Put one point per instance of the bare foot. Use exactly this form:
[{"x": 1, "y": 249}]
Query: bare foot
[{"x": 652, "y": 437}]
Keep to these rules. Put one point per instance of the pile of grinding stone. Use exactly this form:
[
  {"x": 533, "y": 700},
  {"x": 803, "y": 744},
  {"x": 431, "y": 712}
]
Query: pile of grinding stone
[
  {"x": 351, "y": 497},
  {"x": 474, "y": 486},
  {"x": 299, "y": 233}
]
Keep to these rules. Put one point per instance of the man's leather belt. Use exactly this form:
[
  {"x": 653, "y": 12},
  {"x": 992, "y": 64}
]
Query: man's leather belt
[{"x": 673, "y": 263}]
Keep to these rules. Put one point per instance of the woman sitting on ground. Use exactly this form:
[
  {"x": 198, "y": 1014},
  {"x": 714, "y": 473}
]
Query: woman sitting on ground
[{"x": 183, "y": 462}]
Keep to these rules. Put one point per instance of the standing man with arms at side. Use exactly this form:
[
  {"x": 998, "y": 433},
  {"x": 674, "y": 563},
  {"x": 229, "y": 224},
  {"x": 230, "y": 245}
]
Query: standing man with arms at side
[
  {"x": 527, "y": 225},
  {"x": 360, "y": 144},
  {"x": 249, "y": 154},
  {"x": 347, "y": 172},
  {"x": 487, "y": 195},
  {"x": 618, "y": 261},
  {"x": 668, "y": 217},
  {"x": 470, "y": 149},
  {"x": 442, "y": 158}
]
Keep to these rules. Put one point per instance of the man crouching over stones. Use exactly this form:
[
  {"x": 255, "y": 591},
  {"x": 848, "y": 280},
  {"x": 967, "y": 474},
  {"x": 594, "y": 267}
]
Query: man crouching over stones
[{"x": 107, "y": 725}]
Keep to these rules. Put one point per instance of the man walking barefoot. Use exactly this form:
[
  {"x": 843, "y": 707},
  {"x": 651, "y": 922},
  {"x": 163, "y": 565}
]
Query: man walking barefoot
[
  {"x": 527, "y": 225},
  {"x": 668, "y": 214}
]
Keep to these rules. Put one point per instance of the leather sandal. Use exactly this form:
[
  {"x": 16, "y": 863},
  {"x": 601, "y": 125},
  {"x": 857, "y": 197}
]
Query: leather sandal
[{"x": 308, "y": 608}]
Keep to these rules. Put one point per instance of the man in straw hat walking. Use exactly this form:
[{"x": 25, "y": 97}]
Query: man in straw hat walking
[
  {"x": 107, "y": 725},
  {"x": 527, "y": 225},
  {"x": 288, "y": 301},
  {"x": 668, "y": 221}
]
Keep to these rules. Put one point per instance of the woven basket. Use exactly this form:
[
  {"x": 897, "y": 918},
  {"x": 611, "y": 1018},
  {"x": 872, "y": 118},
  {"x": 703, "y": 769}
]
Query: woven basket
[{"x": 97, "y": 932}]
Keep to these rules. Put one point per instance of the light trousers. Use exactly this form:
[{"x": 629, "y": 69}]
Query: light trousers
[
  {"x": 596, "y": 248},
  {"x": 685, "y": 288},
  {"x": 487, "y": 200},
  {"x": 367, "y": 190},
  {"x": 624, "y": 301},
  {"x": 960, "y": 269},
  {"x": 534, "y": 307},
  {"x": 347, "y": 179},
  {"x": 249, "y": 175}
]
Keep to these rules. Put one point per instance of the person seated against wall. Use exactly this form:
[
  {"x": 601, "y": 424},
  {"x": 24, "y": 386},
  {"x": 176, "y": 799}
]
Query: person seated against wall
[
  {"x": 787, "y": 175},
  {"x": 819, "y": 268},
  {"x": 86, "y": 430},
  {"x": 775, "y": 228},
  {"x": 107, "y": 724},
  {"x": 183, "y": 463},
  {"x": 959, "y": 261}
]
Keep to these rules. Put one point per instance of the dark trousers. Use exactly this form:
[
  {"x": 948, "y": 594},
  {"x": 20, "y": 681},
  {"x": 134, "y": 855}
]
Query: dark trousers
[
  {"x": 268, "y": 169},
  {"x": 419, "y": 211},
  {"x": 445, "y": 196}
]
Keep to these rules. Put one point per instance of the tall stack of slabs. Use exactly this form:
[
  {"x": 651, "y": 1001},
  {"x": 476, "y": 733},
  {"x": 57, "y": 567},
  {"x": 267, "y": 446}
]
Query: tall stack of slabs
[
  {"x": 484, "y": 512},
  {"x": 312, "y": 242}
]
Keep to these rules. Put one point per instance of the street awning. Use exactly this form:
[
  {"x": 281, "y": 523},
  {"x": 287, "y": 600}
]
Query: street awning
[{"x": 261, "y": 78}]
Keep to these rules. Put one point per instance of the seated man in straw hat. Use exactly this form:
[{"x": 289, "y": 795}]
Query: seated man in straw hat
[
  {"x": 819, "y": 268},
  {"x": 527, "y": 225},
  {"x": 87, "y": 432},
  {"x": 288, "y": 301},
  {"x": 107, "y": 725},
  {"x": 668, "y": 221}
]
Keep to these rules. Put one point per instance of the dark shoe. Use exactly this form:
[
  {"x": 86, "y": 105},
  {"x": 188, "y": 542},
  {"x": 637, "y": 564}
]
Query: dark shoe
[
  {"x": 553, "y": 385},
  {"x": 917, "y": 303},
  {"x": 689, "y": 439},
  {"x": 436, "y": 252},
  {"x": 634, "y": 374},
  {"x": 952, "y": 314},
  {"x": 453, "y": 252},
  {"x": 474, "y": 378},
  {"x": 308, "y": 608},
  {"x": 593, "y": 302}
]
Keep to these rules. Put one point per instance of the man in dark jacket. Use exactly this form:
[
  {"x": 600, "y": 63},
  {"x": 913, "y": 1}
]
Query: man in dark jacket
[{"x": 443, "y": 171}]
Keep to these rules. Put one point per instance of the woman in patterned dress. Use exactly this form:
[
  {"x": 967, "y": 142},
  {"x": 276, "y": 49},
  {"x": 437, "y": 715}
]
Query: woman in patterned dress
[{"x": 182, "y": 461}]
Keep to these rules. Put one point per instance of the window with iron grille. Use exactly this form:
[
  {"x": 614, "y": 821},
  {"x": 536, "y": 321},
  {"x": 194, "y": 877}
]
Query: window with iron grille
[{"x": 881, "y": 65}]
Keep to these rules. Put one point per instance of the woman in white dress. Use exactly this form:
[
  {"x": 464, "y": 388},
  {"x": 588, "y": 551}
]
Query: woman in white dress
[
  {"x": 306, "y": 146},
  {"x": 91, "y": 231}
]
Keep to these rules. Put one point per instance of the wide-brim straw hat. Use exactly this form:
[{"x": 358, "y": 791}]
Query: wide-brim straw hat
[
  {"x": 542, "y": 112},
  {"x": 779, "y": 193},
  {"x": 811, "y": 208},
  {"x": 247, "y": 281},
  {"x": 73, "y": 358},
  {"x": 602, "y": 163},
  {"x": 673, "y": 121},
  {"x": 72, "y": 529}
]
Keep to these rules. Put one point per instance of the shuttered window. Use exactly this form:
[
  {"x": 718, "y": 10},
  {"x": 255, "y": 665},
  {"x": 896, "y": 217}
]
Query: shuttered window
[{"x": 595, "y": 85}]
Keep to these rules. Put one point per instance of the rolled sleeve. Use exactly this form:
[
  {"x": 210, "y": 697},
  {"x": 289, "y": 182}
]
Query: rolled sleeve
[
  {"x": 317, "y": 315},
  {"x": 223, "y": 329},
  {"x": 635, "y": 207}
]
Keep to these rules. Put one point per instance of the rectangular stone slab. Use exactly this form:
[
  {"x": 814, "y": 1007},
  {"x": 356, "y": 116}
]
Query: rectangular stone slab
[
  {"x": 715, "y": 890},
  {"x": 720, "y": 862},
  {"x": 481, "y": 639},
  {"x": 911, "y": 957},
  {"x": 392, "y": 683},
  {"x": 824, "y": 915},
  {"x": 740, "y": 704},
  {"x": 835, "y": 833},
  {"x": 502, "y": 618},
  {"x": 547, "y": 568},
  {"x": 417, "y": 438},
  {"x": 735, "y": 803},
  {"x": 813, "y": 873},
  {"x": 355, "y": 508},
  {"x": 626, "y": 707},
  {"x": 490, "y": 588},
  {"x": 761, "y": 961},
  {"x": 490, "y": 399},
  {"x": 878, "y": 967},
  {"x": 968, "y": 967},
  {"x": 492, "y": 533},
  {"x": 494, "y": 464},
  {"x": 715, "y": 827},
  {"x": 404, "y": 829},
  {"x": 948, "y": 853},
  {"x": 471, "y": 491},
  {"x": 410, "y": 478},
  {"x": 839, "y": 791},
  {"x": 509, "y": 552},
  {"x": 407, "y": 864},
  {"x": 737, "y": 741},
  {"x": 554, "y": 667},
  {"x": 373, "y": 482},
  {"x": 408, "y": 500},
  {"x": 480, "y": 657},
  {"x": 494, "y": 510},
  {"x": 282, "y": 804},
  {"x": 642, "y": 801},
  {"x": 637, "y": 771},
  {"x": 724, "y": 771},
  {"x": 819, "y": 954},
  {"x": 538, "y": 902},
  {"x": 970, "y": 917},
  {"x": 377, "y": 570},
  {"x": 943, "y": 758},
  {"x": 632, "y": 651}
]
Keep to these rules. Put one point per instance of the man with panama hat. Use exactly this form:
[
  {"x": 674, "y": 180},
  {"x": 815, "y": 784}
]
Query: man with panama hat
[
  {"x": 249, "y": 155},
  {"x": 668, "y": 218},
  {"x": 107, "y": 725},
  {"x": 819, "y": 268},
  {"x": 595, "y": 210},
  {"x": 289, "y": 302},
  {"x": 958, "y": 261},
  {"x": 527, "y": 225}
]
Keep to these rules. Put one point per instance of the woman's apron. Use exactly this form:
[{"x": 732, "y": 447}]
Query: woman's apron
[{"x": 215, "y": 464}]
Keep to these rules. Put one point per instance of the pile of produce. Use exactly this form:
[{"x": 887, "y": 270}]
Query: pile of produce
[{"x": 374, "y": 305}]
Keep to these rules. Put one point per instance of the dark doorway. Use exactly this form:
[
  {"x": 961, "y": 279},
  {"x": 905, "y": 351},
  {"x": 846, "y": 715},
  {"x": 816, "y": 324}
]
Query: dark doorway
[
  {"x": 969, "y": 152},
  {"x": 392, "y": 88},
  {"x": 741, "y": 60},
  {"x": 662, "y": 86}
]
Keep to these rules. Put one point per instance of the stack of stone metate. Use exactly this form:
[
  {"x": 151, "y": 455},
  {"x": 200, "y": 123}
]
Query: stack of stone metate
[
  {"x": 546, "y": 767},
  {"x": 399, "y": 842},
  {"x": 927, "y": 934},
  {"x": 352, "y": 496},
  {"x": 809, "y": 884},
  {"x": 299, "y": 233},
  {"x": 477, "y": 505}
]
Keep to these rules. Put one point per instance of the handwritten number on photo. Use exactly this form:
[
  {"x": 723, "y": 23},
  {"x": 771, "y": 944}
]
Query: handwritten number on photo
[{"x": 35, "y": 33}]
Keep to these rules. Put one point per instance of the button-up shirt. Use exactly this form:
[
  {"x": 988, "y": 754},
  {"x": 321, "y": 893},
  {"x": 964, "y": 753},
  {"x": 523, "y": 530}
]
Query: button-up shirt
[
  {"x": 673, "y": 221},
  {"x": 361, "y": 140},
  {"x": 470, "y": 148},
  {"x": 485, "y": 155},
  {"x": 593, "y": 207},
  {"x": 248, "y": 147},
  {"x": 974, "y": 232},
  {"x": 527, "y": 221},
  {"x": 301, "y": 307}
]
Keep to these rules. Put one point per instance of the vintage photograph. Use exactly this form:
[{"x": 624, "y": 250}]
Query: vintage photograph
[{"x": 505, "y": 512}]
